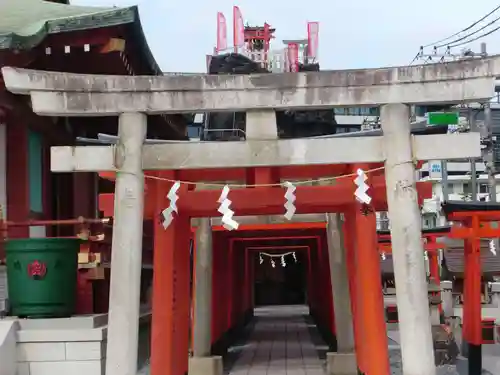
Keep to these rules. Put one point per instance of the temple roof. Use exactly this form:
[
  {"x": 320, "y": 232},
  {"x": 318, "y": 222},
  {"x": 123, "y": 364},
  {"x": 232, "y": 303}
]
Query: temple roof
[{"x": 25, "y": 23}]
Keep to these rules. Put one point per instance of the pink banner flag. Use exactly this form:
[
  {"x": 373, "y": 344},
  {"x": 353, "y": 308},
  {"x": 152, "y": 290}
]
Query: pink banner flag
[
  {"x": 238, "y": 29},
  {"x": 221, "y": 32},
  {"x": 293, "y": 57},
  {"x": 312, "y": 40}
]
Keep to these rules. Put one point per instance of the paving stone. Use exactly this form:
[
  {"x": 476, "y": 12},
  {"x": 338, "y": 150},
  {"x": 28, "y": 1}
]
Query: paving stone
[{"x": 280, "y": 344}]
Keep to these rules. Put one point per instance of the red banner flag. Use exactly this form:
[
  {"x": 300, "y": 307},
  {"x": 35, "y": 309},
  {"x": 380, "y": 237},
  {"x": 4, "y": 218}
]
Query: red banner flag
[
  {"x": 293, "y": 57},
  {"x": 238, "y": 29},
  {"x": 221, "y": 32},
  {"x": 312, "y": 40}
]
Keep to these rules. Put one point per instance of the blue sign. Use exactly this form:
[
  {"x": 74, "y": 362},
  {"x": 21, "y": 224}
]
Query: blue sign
[{"x": 435, "y": 168}]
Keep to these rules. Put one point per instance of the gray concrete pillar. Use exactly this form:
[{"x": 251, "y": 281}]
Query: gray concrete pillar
[
  {"x": 126, "y": 250},
  {"x": 261, "y": 124},
  {"x": 447, "y": 298},
  {"x": 343, "y": 362},
  {"x": 406, "y": 237},
  {"x": 201, "y": 363},
  {"x": 203, "y": 289}
]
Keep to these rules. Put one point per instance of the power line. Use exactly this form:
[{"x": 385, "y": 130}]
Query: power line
[
  {"x": 476, "y": 38},
  {"x": 463, "y": 30},
  {"x": 470, "y": 34}
]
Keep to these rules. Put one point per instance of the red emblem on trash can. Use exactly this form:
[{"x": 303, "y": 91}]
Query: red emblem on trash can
[{"x": 37, "y": 270}]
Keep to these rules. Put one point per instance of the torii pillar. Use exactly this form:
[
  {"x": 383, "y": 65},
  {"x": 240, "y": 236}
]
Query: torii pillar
[
  {"x": 344, "y": 360},
  {"x": 407, "y": 247}
]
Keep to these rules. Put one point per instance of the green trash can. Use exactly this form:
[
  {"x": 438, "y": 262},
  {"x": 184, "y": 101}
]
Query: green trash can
[{"x": 42, "y": 276}]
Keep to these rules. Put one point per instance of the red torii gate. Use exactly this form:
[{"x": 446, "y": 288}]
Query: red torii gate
[
  {"x": 473, "y": 221},
  {"x": 171, "y": 286},
  {"x": 431, "y": 246}
]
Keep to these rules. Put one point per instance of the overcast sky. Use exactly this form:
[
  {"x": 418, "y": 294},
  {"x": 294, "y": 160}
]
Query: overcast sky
[{"x": 352, "y": 34}]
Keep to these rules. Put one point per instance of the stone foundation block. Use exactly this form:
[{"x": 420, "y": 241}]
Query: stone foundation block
[
  {"x": 341, "y": 364},
  {"x": 205, "y": 366}
]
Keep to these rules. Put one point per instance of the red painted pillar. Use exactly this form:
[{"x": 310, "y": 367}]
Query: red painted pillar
[
  {"x": 171, "y": 297},
  {"x": 310, "y": 282},
  {"x": 83, "y": 195},
  {"x": 472, "y": 299},
  {"x": 18, "y": 196},
  {"x": 246, "y": 281},
  {"x": 252, "y": 261},
  {"x": 434, "y": 268},
  {"x": 370, "y": 300},
  {"x": 216, "y": 288},
  {"x": 230, "y": 286}
]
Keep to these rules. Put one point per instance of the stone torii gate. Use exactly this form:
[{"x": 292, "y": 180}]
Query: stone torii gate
[{"x": 133, "y": 98}]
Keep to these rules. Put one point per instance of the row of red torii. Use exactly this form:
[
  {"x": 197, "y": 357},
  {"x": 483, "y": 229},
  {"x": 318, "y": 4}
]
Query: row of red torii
[{"x": 263, "y": 160}]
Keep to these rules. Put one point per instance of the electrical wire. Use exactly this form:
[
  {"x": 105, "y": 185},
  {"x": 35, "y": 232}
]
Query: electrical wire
[
  {"x": 468, "y": 35},
  {"x": 476, "y": 38},
  {"x": 463, "y": 30}
]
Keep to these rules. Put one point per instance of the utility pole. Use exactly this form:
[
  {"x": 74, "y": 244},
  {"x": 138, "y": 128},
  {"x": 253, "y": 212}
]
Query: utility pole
[
  {"x": 473, "y": 173},
  {"x": 489, "y": 157}
]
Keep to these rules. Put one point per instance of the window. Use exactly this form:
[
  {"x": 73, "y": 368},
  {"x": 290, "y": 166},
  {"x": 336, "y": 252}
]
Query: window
[
  {"x": 483, "y": 188},
  {"x": 429, "y": 221},
  {"x": 193, "y": 131}
]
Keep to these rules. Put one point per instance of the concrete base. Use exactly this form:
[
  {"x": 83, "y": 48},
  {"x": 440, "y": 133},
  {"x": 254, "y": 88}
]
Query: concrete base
[
  {"x": 205, "y": 366},
  {"x": 341, "y": 364}
]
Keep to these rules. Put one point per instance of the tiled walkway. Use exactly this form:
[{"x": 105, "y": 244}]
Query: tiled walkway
[{"x": 280, "y": 344}]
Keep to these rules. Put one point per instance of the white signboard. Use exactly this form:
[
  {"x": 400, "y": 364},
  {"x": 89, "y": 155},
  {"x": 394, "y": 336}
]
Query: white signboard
[{"x": 435, "y": 169}]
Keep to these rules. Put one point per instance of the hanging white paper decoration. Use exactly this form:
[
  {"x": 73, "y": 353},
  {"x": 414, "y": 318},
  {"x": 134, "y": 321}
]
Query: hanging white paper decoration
[
  {"x": 360, "y": 182},
  {"x": 383, "y": 256},
  {"x": 290, "y": 200},
  {"x": 168, "y": 213},
  {"x": 273, "y": 264},
  {"x": 227, "y": 214},
  {"x": 261, "y": 260},
  {"x": 294, "y": 257},
  {"x": 283, "y": 263},
  {"x": 493, "y": 248}
]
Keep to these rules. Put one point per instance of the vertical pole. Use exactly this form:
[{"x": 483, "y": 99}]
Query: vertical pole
[
  {"x": 407, "y": 250},
  {"x": 357, "y": 324},
  {"x": 473, "y": 172},
  {"x": 310, "y": 286},
  {"x": 246, "y": 282},
  {"x": 163, "y": 287},
  {"x": 473, "y": 179},
  {"x": 434, "y": 269},
  {"x": 181, "y": 297},
  {"x": 126, "y": 250},
  {"x": 340, "y": 285},
  {"x": 215, "y": 289},
  {"x": 489, "y": 153},
  {"x": 472, "y": 300},
  {"x": 444, "y": 180},
  {"x": 17, "y": 177},
  {"x": 203, "y": 290},
  {"x": 230, "y": 287},
  {"x": 370, "y": 298},
  {"x": 341, "y": 301}
]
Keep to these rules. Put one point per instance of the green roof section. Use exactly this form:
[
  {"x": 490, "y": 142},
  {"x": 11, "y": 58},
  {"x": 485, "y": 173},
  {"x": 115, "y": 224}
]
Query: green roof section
[{"x": 25, "y": 23}]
